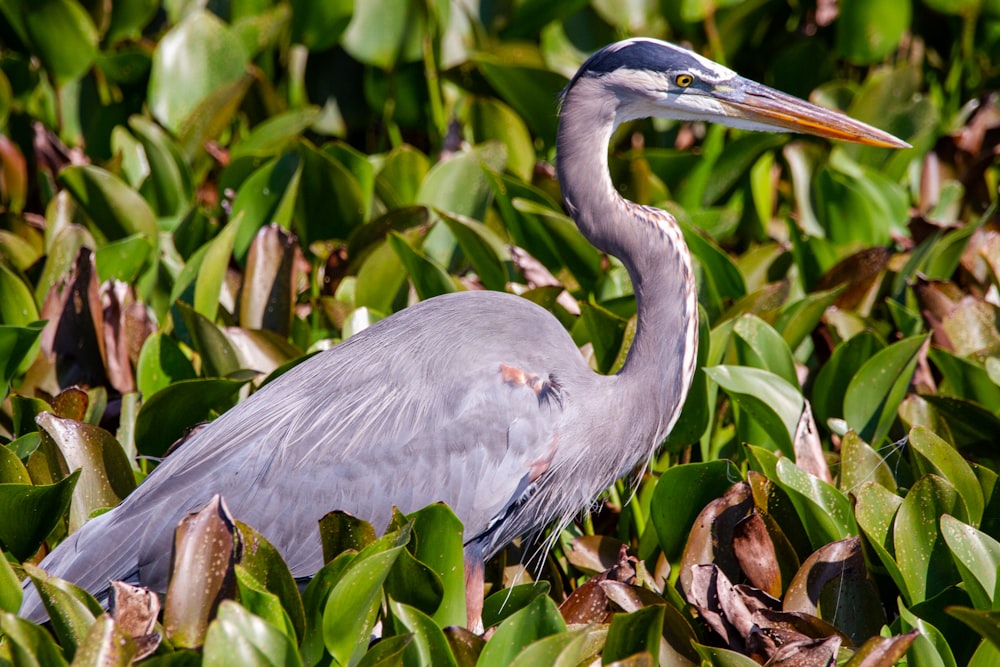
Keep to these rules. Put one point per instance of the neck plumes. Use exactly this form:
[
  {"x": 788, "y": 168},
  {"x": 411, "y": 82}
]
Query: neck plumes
[{"x": 660, "y": 364}]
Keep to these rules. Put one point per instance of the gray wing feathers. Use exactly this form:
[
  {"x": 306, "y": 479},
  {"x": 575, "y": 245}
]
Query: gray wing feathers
[{"x": 411, "y": 412}]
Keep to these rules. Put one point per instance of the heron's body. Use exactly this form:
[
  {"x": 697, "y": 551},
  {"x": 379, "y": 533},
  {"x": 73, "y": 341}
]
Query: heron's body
[{"x": 477, "y": 399}]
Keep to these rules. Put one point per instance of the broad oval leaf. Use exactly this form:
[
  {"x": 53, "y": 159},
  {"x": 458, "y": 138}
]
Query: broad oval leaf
[
  {"x": 237, "y": 637},
  {"x": 771, "y": 401}
]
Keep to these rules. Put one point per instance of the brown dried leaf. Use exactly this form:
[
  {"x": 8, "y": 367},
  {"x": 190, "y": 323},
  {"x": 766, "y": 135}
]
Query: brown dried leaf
[
  {"x": 594, "y": 553},
  {"x": 116, "y": 297},
  {"x": 807, "y": 653},
  {"x": 70, "y": 403},
  {"x": 754, "y": 552},
  {"x": 135, "y": 610},
  {"x": 883, "y": 651},
  {"x": 274, "y": 263},
  {"x": 720, "y": 606},
  {"x": 587, "y": 604},
  {"x": 711, "y": 537},
  {"x": 833, "y": 584},
  {"x": 203, "y": 573},
  {"x": 628, "y": 597},
  {"x": 72, "y": 338},
  {"x": 862, "y": 273}
]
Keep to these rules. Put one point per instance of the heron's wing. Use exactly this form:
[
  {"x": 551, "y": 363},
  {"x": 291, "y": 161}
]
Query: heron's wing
[{"x": 440, "y": 403}]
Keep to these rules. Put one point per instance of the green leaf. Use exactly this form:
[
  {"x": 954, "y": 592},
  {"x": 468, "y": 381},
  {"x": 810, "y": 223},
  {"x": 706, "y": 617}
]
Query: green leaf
[
  {"x": 167, "y": 414},
  {"x": 923, "y": 556},
  {"x": 875, "y": 511},
  {"x": 268, "y": 569},
  {"x": 429, "y": 278},
  {"x": 18, "y": 305},
  {"x": 352, "y": 605},
  {"x": 18, "y": 347},
  {"x": 681, "y": 493},
  {"x": 492, "y": 120},
  {"x": 39, "y": 509},
  {"x": 11, "y": 593},
  {"x": 606, "y": 333},
  {"x": 71, "y": 609},
  {"x": 116, "y": 210},
  {"x": 212, "y": 273},
  {"x": 859, "y": 463},
  {"x": 825, "y": 511},
  {"x": 868, "y": 30},
  {"x": 634, "y": 633},
  {"x": 429, "y": 646},
  {"x": 161, "y": 363},
  {"x": 986, "y": 623},
  {"x": 63, "y": 37},
  {"x": 260, "y": 602},
  {"x": 439, "y": 545},
  {"x": 503, "y": 604},
  {"x": 169, "y": 187},
  {"x": 977, "y": 557},
  {"x": 237, "y": 637},
  {"x": 758, "y": 345},
  {"x": 929, "y": 647},
  {"x": 384, "y": 33},
  {"x": 29, "y": 644},
  {"x": 330, "y": 202},
  {"x": 769, "y": 400},
  {"x": 876, "y": 390},
  {"x": 123, "y": 259},
  {"x": 539, "y": 619},
  {"x": 573, "y": 647},
  {"x": 218, "y": 354},
  {"x": 267, "y": 195},
  {"x": 932, "y": 455},
  {"x": 529, "y": 89},
  {"x": 106, "y": 476},
  {"x": 194, "y": 58},
  {"x": 831, "y": 384},
  {"x": 106, "y": 645},
  {"x": 482, "y": 247},
  {"x": 797, "y": 320}
]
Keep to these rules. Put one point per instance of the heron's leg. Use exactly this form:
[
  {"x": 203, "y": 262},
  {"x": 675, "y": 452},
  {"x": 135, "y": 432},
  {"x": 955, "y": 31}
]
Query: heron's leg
[{"x": 474, "y": 587}]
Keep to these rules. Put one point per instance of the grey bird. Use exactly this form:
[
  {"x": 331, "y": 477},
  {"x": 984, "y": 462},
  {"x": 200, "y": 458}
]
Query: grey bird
[{"x": 478, "y": 399}]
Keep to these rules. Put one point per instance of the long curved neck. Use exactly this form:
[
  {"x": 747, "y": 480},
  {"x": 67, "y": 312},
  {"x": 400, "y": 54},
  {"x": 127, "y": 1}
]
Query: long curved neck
[{"x": 660, "y": 363}]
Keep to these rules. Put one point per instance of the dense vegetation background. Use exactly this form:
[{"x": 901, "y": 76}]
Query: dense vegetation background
[{"x": 194, "y": 195}]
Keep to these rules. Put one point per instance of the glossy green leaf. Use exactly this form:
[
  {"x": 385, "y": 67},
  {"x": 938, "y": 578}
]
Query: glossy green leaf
[
  {"x": 106, "y": 475},
  {"x": 11, "y": 593},
  {"x": 935, "y": 456},
  {"x": 161, "y": 363},
  {"x": 606, "y": 333},
  {"x": 197, "y": 56},
  {"x": 429, "y": 278},
  {"x": 501, "y": 605},
  {"x": 330, "y": 202},
  {"x": 573, "y": 647},
  {"x": 929, "y": 647},
  {"x": 835, "y": 376},
  {"x": 986, "y": 623},
  {"x": 977, "y": 557},
  {"x": 238, "y": 637},
  {"x": 218, "y": 354},
  {"x": 266, "y": 196},
  {"x": 528, "y": 89},
  {"x": 797, "y": 320},
  {"x": 429, "y": 646},
  {"x": 71, "y": 609},
  {"x": 116, "y": 210},
  {"x": 482, "y": 247},
  {"x": 260, "y": 602},
  {"x": 123, "y": 259},
  {"x": 539, "y": 619},
  {"x": 922, "y": 553},
  {"x": 875, "y": 511},
  {"x": 876, "y": 390},
  {"x": 166, "y": 415},
  {"x": 825, "y": 511},
  {"x": 768, "y": 399},
  {"x": 44, "y": 504},
  {"x": 268, "y": 569},
  {"x": 634, "y": 633},
  {"x": 351, "y": 606},
  {"x": 169, "y": 187},
  {"x": 758, "y": 345},
  {"x": 30, "y": 645},
  {"x": 859, "y": 463},
  {"x": 63, "y": 35},
  {"x": 721, "y": 657},
  {"x": 18, "y": 305},
  {"x": 17, "y": 349},
  {"x": 314, "y": 599},
  {"x": 212, "y": 274},
  {"x": 869, "y": 30},
  {"x": 106, "y": 645},
  {"x": 492, "y": 120},
  {"x": 439, "y": 545}
]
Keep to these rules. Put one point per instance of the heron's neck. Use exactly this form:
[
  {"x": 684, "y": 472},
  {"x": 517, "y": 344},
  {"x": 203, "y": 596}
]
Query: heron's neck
[{"x": 660, "y": 363}]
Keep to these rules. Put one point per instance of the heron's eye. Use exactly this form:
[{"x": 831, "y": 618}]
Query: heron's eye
[{"x": 684, "y": 80}]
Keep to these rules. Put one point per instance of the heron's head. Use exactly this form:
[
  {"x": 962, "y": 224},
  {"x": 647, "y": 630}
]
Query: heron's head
[{"x": 648, "y": 77}]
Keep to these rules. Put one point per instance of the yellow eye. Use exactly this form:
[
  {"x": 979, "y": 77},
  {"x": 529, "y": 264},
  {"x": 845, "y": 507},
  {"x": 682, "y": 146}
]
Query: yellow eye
[{"x": 684, "y": 80}]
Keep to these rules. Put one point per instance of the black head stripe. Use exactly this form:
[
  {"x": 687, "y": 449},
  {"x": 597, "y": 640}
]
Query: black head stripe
[{"x": 640, "y": 55}]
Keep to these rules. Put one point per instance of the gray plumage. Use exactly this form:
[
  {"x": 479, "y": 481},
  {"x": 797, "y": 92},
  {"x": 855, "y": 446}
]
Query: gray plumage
[{"x": 477, "y": 399}]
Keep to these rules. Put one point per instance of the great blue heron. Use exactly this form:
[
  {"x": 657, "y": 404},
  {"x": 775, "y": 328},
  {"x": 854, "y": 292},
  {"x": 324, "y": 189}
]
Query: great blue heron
[{"x": 478, "y": 399}]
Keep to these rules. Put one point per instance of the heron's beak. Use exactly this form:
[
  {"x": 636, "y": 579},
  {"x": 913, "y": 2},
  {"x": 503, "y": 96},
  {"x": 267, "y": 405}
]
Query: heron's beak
[{"x": 760, "y": 105}]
